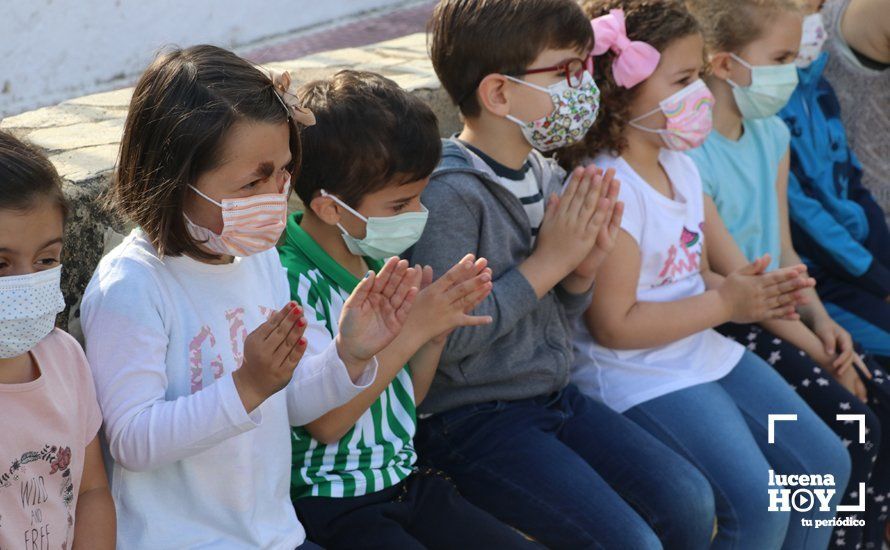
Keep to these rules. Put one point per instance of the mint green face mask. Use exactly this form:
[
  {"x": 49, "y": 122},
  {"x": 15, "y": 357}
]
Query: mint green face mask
[
  {"x": 384, "y": 237},
  {"x": 770, "y": 89}
]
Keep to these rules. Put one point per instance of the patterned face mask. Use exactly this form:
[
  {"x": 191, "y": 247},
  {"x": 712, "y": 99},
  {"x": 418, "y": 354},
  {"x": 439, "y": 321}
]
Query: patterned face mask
[
  {"x": 688, "y": 114},
  {"x": 28, "y": 308},
  {"x": 250, "y": 225},
  {"x": 574, "y": 111},
  {"x": 812, "y": 40}
]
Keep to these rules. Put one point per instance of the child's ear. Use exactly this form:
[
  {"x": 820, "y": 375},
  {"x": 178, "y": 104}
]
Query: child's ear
[
  {"x": 721, "y": 65},
  {"x": 326, "y": 209},
  {"x": 493, "y": 96}
]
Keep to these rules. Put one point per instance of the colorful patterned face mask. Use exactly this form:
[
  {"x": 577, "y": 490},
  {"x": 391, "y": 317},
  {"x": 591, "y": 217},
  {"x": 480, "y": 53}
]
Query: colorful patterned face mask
[
  {"x": 250, "y": 225},
  {"x": 574, "y": 111},
  {"x": 689, "y": 117},
  {"x": 28, "y": 308}
]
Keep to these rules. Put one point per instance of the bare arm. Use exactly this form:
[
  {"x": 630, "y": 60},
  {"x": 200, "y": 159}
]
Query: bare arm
[
  {"x": 617, "y": 320},
  {"x": 866, "y": 28},
  {"x": 95, "y": 526},
  {"x": 726, "y": 257},
  {"x": 836, "y": 344},
  {"x": 812, "y": 307},
  {"x": 423, "y": 367}
]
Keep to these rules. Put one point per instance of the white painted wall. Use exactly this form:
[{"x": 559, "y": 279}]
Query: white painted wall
[{"x": 52, "y": 50}]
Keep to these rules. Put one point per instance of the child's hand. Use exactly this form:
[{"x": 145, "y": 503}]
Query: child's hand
[
  {"x": 849, "y": 379},
  {"x": 572, "y": 222},
  {"x": 271, "y": 353},
  {"x": 608, "y": 232},
  {"x": 444, "y": 305},
  {"x": 837, "y": 342},
  {"x": 752, "y": 296},
  {"x": 375, "y": 313}
]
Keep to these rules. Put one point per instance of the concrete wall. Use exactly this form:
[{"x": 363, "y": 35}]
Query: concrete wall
[
  {"x": 81, "y": 137},
  {"x": 53, "y": 50}
]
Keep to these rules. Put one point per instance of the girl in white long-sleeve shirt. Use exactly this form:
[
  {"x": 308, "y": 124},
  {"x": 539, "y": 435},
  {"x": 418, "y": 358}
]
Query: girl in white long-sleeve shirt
[{"x": 192, "y": 340}]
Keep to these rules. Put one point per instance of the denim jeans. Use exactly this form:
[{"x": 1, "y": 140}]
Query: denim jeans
[
  {"x": 422, "y": 512},
  {"x": 721, "y": 427},
  {"x": 571, "y": 473}
]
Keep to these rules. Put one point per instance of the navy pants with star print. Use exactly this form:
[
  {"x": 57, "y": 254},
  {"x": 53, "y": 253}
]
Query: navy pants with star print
[{"x": 828, "y": 398}]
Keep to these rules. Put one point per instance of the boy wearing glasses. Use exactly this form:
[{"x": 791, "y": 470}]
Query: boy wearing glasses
[{"x": 501, "y": 417}]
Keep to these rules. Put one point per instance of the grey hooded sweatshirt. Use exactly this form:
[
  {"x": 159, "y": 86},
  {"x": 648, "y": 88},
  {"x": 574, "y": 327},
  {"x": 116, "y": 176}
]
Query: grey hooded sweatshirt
[{"x": 527, "y": 350}]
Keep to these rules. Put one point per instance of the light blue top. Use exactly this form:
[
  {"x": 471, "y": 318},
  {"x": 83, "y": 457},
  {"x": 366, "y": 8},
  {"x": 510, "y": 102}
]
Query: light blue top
[{"x": 741, "y": 178}]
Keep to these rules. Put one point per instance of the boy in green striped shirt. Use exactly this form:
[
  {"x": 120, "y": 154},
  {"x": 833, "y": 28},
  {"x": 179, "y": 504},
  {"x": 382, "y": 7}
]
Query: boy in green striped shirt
[{"x": 364, "y": 166}]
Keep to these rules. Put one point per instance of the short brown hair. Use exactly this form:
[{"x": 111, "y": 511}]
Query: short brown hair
[
  {"x": 369, "y": 134},
  {"x": 730, "y": 25},
  {"x": 27, "y": 176},
  {"x": 471, "y": 39},
  {"x": 656, "y": 23},
  {"x": 182, "y": 107}
]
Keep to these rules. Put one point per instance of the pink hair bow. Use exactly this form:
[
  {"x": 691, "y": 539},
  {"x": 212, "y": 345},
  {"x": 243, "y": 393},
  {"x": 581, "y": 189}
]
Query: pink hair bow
[{"x": 634, "y": 61}]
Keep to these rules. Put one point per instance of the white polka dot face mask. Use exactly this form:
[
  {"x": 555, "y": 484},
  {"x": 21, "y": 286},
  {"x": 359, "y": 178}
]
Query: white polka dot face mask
[{"x": 28, "y": 308}]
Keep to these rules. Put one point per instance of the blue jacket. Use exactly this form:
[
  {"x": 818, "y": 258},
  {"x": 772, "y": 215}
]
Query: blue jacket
[{"x": 836, "y": 224}]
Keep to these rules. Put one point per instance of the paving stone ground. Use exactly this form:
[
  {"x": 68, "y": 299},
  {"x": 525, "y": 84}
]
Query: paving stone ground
[
  {"x": 375, "y": 27},
  {"x": 81, "y": 136}
]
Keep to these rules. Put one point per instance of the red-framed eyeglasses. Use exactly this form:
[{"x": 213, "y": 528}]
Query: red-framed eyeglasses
[{"x": 574, "y": 70}]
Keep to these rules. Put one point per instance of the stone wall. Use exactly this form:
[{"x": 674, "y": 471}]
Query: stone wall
[{"x": 81, "y": 138}]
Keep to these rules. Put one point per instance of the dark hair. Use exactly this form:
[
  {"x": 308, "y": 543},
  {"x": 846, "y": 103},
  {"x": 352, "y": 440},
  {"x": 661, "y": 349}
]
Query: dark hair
[
  {"x": 369, "y": 134},
  {"x": 656, "y": 23},
  {"x": 471, "y": 39},
  {"x": 182, "y": 107},
  {"x": 27, "y": 176}
]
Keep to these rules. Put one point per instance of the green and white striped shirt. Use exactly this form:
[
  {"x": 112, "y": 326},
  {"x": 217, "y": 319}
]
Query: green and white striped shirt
[{"x": 378, "y": 451}]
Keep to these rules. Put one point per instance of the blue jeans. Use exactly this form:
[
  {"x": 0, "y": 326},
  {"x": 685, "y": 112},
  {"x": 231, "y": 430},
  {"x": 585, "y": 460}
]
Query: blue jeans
[
  {"x": 721, "y": 427},
  {"x": 571, "y": 473}
]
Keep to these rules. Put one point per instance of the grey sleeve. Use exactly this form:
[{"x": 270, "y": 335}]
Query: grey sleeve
[
  {"x": 453, "y": 231},
  {"x": 574, "y": 304}
]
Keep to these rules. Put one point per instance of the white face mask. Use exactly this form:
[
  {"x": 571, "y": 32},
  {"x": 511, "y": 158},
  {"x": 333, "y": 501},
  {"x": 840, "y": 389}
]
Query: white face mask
[
  {"x": 384, "y": 237},
  {"x": 812, "y": 40},
  {"x": 28, "y": 308},
  {"x": 770, "y": 89}
]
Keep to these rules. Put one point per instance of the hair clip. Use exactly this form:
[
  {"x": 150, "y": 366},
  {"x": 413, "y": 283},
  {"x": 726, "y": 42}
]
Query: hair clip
[
  {"x": 282, "y": 82},
  {"x": 635, "y": 61}
]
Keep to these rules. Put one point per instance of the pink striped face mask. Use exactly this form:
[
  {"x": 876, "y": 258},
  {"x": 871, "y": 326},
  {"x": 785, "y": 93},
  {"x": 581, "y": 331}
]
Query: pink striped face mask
[{"x": 250, "y": 224}]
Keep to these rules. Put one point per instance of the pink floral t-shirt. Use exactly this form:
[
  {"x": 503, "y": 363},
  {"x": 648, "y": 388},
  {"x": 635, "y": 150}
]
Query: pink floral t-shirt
[{"x": 46, "y": 426}]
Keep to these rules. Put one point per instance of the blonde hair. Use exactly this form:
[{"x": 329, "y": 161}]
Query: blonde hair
[{"x": 730, "y": 25}]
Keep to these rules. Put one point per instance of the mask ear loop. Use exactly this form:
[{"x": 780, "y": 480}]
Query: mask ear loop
[
  {"x": 195, "y": 189},
  {"x": 344, "y": 205},
  {"x": 348, "y": 209},
  {"x": 744, "y": 64},
  {"x": 512, "y": 118}
]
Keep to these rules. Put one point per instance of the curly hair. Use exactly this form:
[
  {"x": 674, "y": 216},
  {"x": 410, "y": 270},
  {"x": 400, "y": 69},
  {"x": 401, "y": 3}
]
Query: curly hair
[
  {"x": 730, "y": 25},
  {"x": 656, "y": 22}
]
